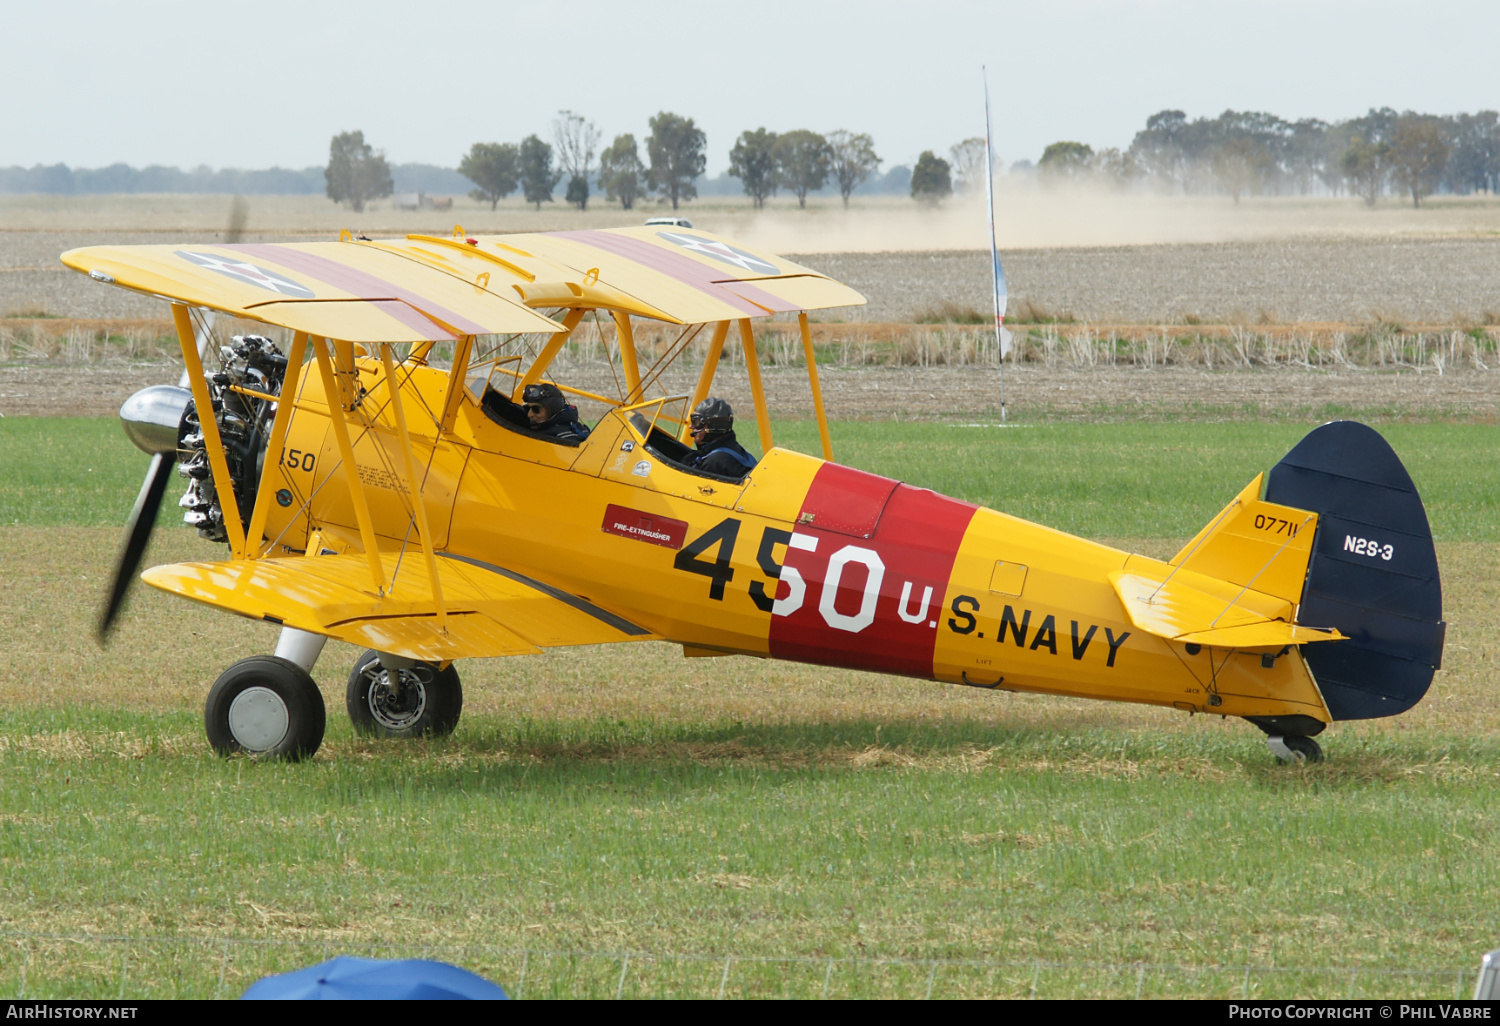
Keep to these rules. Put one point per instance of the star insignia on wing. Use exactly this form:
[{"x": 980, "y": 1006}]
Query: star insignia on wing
[
  {"x": 722, "y": 251},
  {"x": 247, "y": 272}
]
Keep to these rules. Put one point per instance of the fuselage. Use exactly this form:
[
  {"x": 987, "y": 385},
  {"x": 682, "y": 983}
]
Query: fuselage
[{"x": 805, "y": 560}]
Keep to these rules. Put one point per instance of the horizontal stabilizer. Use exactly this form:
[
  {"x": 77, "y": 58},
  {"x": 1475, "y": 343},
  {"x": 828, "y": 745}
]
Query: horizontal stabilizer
[
  {"x": 1190, "y": 608},
  {"x": 490, "y": 611}
]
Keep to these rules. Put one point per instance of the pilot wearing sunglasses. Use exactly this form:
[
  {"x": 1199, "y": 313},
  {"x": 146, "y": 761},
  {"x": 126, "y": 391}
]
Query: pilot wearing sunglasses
[{"x": 542, "y": 410}]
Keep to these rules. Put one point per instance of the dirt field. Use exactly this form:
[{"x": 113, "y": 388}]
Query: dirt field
[
  {"x": 926, "y": 393},
  {"x": 1097, "y": 257},
  {"x": 1295, "y": 280}
]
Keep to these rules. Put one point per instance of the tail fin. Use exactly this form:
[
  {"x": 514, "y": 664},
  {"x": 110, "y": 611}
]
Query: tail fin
[
  {"x": 1235, "y": 585},
  {"x": 1256, "y": 544},
  {"x": 1372, "y": 571}
]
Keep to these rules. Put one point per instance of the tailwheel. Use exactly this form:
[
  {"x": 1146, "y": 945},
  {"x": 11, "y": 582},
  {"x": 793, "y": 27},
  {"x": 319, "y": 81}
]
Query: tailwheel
[
  {"x": 417, "y": 700},
  {"x": 1294, "y": 749},
  {"x": 265, "y": 706}
]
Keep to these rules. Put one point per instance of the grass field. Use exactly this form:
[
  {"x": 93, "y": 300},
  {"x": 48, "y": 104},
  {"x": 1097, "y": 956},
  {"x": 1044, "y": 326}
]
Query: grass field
[
  {"x": 601, "y": 801},
  {"x": 1159, "y": 480}
]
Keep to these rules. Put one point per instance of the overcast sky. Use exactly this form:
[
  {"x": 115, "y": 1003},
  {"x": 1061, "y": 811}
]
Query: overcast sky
[{"x": 252, "y": 85}]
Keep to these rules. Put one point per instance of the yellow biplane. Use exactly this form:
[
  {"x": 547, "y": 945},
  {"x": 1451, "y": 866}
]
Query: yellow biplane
[{"x": 366, "y": 494}]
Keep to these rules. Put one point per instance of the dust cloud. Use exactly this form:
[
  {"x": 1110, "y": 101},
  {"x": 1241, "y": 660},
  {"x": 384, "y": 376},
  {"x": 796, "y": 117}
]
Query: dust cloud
[{"x": 1034, "y": 217}]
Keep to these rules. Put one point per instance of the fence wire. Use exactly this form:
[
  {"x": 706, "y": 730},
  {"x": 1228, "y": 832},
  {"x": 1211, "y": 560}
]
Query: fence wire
[{"x": 40, "y": 965}]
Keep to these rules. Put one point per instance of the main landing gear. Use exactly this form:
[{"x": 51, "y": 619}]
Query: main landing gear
[
  {"x": 269, "y": 705},
  {"x": 402, "y": 697},
  {"x": 265, "y": 705}
]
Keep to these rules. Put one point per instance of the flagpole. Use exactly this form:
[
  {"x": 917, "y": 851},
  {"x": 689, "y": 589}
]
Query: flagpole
[{"x": 997, "y": 273}]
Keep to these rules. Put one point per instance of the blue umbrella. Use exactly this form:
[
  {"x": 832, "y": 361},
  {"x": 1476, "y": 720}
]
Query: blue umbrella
[{"x": 373, "y": 979}]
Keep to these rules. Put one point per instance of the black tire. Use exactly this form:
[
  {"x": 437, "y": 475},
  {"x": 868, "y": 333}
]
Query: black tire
[
  {"x": 428, "y": 703},
  {"x": 267, "y": 707},
  {"x": 1306, "y": 747}
]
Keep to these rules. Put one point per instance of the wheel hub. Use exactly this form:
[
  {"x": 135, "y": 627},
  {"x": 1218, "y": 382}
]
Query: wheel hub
[
  {"x": 399, "y": 707},
  {"x": 258, "y": 719}
]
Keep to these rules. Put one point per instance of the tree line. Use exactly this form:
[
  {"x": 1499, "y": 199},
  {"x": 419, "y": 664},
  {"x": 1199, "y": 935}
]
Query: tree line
[
  {"x": 800, "y": 161},
  {"x": 1254, "y": 153},
  {"x": 59, "y": 179},
  {"x": 674, "y": 150},
  {"x": 1237, "y": 153}
]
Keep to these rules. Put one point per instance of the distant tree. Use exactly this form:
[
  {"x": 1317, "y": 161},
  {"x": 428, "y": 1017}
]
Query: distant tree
[
  {"x": 897, "y": 180},
  {"x": 493, "y": 168},
  {"x": 1474, "y": 165},
  {"x": 851, "y": 160},
  {"x": 676, "y": 148},
  {"x": 1160, "y": 148},
  {"x": 1247, "y": 152},
  {"x": 1336, "y": 141},
  {"x": 968, "y": 164},
  {"x": 537, "y": 175},
  {"x": 356, "y": 173},
  {"x": 1366, "y": 167},
  {"x": 753, "y": 162},
  {"x": 1375, "y": 126},
  {"x": 578, "y": 192},
  {"x": 1306, "y": 153},
  {"x": 1065, "y": 161},
  {"x": 621, "y": 170},
  {"x": 577, "y": 139},
  {"x": 1117, "y": 168},
  {"x": 1240, "y": 165},
  {"x": 802, "y": 162},
  {"x": 931, "y": 179},
  {"x": 1418, "y": 154}
]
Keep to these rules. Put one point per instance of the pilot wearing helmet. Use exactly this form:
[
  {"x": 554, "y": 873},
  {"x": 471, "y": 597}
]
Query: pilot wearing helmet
[
  {"x": 717, "y": 452},
  {"x": 542, "y": 410}
]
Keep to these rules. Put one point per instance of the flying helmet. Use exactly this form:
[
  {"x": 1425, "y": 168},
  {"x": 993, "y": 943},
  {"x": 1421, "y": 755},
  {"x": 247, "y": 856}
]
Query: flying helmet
[
  {"x": 713, "y": 415},
  {"x": 549, "y": 397}
]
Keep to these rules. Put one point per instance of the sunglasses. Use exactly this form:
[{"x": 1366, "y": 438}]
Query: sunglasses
[{"x": 534, "y": 408}]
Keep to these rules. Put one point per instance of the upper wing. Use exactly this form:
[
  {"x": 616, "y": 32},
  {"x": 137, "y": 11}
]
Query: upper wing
[
  {"x": 429, "y": 288},
  {"x": 352, "y": 291},
  {"x": 689, "y": 276},
  {"x": 490, "y": 611}
]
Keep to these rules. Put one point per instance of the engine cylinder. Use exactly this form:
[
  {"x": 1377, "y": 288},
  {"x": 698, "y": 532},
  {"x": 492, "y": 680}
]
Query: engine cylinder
[{"x": 251, "y": 364}]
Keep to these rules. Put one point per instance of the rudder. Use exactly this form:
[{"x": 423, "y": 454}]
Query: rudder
[{"x": 1373, "y": 572}]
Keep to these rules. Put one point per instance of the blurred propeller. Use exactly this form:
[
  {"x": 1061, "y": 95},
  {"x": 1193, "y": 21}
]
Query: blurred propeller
[
  {"x": 152, "y": 419},
  {"x": 137, "y": 534}
]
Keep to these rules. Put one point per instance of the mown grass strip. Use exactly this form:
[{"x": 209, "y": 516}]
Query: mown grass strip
[{"x": 1153, "y": 848}]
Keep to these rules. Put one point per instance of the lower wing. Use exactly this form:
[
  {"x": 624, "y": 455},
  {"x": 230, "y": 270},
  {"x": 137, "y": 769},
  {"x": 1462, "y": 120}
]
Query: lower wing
[{"x": 488, "y": 610}]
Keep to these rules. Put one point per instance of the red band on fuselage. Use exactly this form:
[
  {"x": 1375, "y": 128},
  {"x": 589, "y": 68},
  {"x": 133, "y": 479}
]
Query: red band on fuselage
[{"x": 887, "y": 591}]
